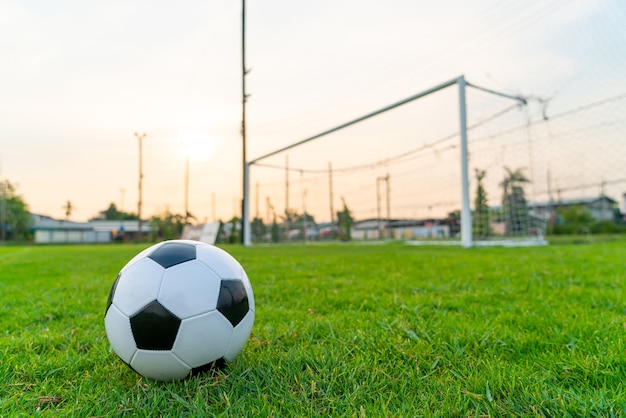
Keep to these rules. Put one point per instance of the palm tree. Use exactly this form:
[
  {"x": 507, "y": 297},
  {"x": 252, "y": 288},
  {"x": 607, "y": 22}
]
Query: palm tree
[
  {"x": 69, "y": 208},
  {"x": 480, "y": 221},
  {"x": 514, "y": 201},
  {"x": 513, "y": 178}
]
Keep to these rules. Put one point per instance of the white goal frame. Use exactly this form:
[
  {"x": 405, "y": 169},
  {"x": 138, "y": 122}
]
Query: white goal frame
[{"x": 466, "y": 213}]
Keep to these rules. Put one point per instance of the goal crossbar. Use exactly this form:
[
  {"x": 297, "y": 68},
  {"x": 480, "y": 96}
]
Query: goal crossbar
[
  {"x": 466, "y": 218},
  {"x": 357, "y": 120}
]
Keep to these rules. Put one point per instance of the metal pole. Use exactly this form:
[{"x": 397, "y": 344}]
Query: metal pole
[
  {"x": 187, "y": 187},
  {"x": 247, "y": 236},
  {"x": 245, "y": 219},
  {"x": 287, "y": 226},
  {"x": 389, "y": 234},
  {"x": 380, "y": 229},
  {"x": 304, "y": 226},
  {"x": 330, "y": 188},
  {"x": 3, "y": 210},
  {"x": 256, "y": 202},
  {"x": 466, "y": 214},
  {"x": 497, "y": 93},
  {"x": 139, "y": 201},
  {"x": 3, "y": 207}
]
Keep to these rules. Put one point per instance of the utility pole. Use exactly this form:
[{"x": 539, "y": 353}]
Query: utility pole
[
  {"x": 304, "y": 224},
  {"x": 245, "y": 224},
  {"x": 551, "y": 211},
  {"x": 256, "y": 214},
  {"x": 550, "y": 197},
  {"x": 388, "y": 208},
  {"x": 380, "y": 229},
  {"x": 387, "y": 228},
  {"x": 187, "y": 186},
  {"x": 287, "y": 194},
  {"x": 3, "y": 207},
  {"x": 330, "y": 188},
  {"x": 140, "y": 138},
  {"x": 3, "y": 210}
]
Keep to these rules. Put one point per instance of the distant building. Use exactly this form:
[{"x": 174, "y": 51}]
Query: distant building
[
  {"x": 47, "y": 230},
  {"x": 601, "y": 208},
  {"x": 401, "y": 229}
]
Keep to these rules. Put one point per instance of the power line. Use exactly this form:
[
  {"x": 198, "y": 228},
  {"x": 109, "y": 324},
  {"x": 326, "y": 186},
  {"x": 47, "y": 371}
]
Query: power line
[
  {"x": 557, "y": 116},
  {"x": 395, "y": 158}
]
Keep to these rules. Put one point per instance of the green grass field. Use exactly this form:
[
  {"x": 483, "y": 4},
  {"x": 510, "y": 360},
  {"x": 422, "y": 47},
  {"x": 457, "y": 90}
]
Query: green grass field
[{"x": 341, "y": 330}]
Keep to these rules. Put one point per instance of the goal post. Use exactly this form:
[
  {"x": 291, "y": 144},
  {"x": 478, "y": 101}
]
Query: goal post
[{"x": 465, "y": 212}]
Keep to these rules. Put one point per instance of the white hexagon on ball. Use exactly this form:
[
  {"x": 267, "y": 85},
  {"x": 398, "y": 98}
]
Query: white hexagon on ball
[
  {"x": 240, "y": 336},
  {"x": 186, "y": 289},
  {"x": 203, "y": 339},
  {"x": 137, "y": 286},
  {"x": 218, "y": 260},
  {"x": 119, "y": 333},
  {"x": 159, "y": 365}
]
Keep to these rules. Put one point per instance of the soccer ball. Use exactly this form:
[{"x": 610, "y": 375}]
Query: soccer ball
[{"x": 179, "y": 308}]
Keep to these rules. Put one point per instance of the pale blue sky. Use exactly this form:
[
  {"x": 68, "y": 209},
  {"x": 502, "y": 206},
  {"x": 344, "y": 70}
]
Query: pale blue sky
[{"x": 78, "y": 78}]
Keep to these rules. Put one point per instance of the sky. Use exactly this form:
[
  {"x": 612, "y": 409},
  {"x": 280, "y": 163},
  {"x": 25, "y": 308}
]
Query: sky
[{"x": 78, "y": 80}]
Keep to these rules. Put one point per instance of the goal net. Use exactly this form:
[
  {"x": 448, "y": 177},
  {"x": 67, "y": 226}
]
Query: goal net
[{"x": 404, "y": 172}]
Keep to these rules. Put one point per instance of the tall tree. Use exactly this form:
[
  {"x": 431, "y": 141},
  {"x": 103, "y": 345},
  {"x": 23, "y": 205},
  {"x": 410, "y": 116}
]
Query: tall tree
[
  {"x": 168, "y": 225},
  {"x": 344, "y": 220},
  {"x": 514, "y": 202},
  {"x": 235, "y": 230},
  {"x": 113, "y": 214},
  {"x": 15, "y": 219},
  {"x": 275, "y": 230},
  {"x": 481, "y": 222},
  {"x": 259, "y": 229}
]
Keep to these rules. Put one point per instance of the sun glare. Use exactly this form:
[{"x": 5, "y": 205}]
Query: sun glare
[{"x": 198, "y": 147}]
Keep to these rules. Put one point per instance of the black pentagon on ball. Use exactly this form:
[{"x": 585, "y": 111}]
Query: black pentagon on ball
[
  {"x": 154, "y": 327},
  {"x": 172, "y": 253},
  {"x": 112, "y": 293},
  {"x": 233, "y": 301}
]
